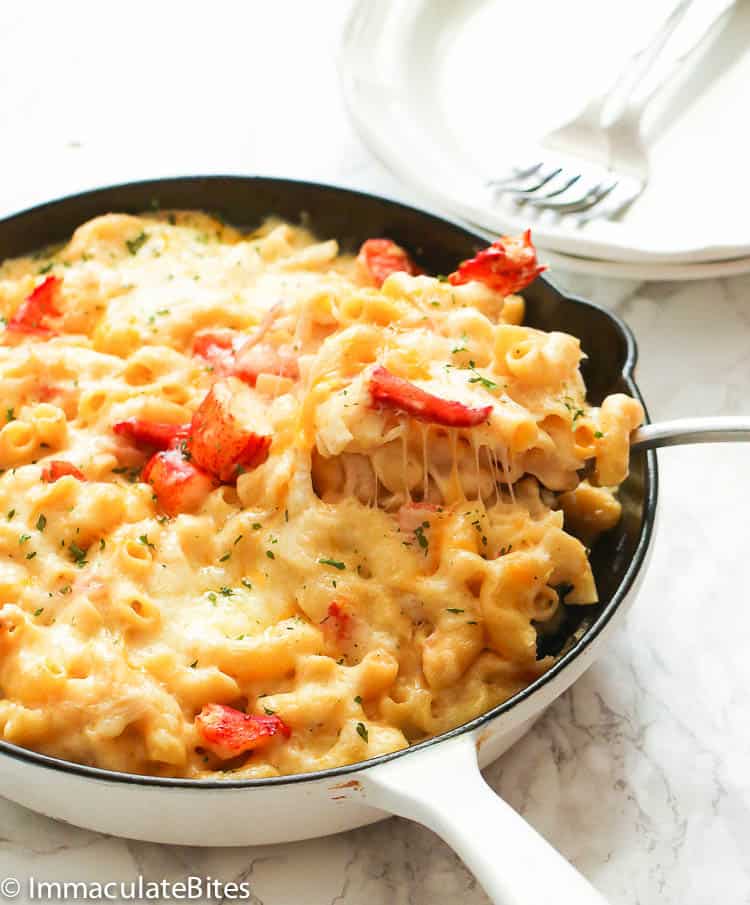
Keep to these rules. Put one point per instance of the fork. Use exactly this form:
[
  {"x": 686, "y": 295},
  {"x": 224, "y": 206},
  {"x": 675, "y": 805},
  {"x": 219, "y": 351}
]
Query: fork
[{"x": 594, "y": 162}]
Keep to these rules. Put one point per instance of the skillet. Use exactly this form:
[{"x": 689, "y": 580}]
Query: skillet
[{"x": 436, "y": 782}]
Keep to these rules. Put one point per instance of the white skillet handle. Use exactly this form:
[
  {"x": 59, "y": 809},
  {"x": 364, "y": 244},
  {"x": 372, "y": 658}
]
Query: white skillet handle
[{"x": 443, "y": 789}]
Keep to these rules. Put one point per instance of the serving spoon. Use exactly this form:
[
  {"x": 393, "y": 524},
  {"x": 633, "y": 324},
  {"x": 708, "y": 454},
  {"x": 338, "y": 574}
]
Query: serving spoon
[{"x": 684, "y": 431}]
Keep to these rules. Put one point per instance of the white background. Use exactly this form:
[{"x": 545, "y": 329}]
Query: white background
[{"x": 639, "y": 774}]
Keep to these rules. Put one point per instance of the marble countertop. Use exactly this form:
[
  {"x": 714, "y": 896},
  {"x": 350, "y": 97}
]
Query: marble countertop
[{"x": 637, "y": 774}]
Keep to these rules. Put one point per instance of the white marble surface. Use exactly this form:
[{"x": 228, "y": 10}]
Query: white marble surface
[{"x": 638, "y": 774}]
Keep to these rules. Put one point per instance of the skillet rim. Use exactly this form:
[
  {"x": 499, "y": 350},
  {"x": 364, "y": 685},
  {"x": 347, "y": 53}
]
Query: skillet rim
[{"x": 48, "y": 762}]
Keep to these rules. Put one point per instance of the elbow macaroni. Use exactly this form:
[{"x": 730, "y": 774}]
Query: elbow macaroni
[{"x": 445, "y": 547}]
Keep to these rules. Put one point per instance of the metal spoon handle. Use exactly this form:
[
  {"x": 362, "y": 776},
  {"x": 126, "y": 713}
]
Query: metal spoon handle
[{"x": 724, "y": 429}]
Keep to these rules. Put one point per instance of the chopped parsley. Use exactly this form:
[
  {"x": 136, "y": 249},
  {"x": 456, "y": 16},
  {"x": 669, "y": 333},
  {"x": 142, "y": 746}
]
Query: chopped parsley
[
  {"x": 598, "y": 435},
  {"x": 102, "y": 543},
  {"x": 570, "y": 405},
  {"x": 46, "y": 268},
  {"x": 143, "y": 539},
  {"x": 358, "y": 699},
  {"x": 362, "y": 732},
  {"x": 136, "y": 244},
  {"x": 77, "y": 554},
  {"x": 268, "y": 711},
  {"x": 31, "y": 555},
  {"x": 270, "y": 554},
  {"x": 337, "y": 564},
  {"x": 225, "y": 591},
  {"x": 193, "y": 664},
  {"x": 10, "y": 414},
  {"x": 478, "y": 525},
  {"x": 421, "y": 539},
  {"x": 11, "y": 513},
  {"x": 65, "y": 589},
  {"x": 225, "y": 557},
  {"x": 246, "y": 584},
  {"x": 453, "y": 609},
  {"x": 22, "y": 538},
  {"x": 41, "y": 522},
  {"x": 503, "y": 550},
  {"x": 237, "y": 540},
  {"x": 39, "y": 611},
  {"x": 257, "y": 526},
  {"x": 479, "y": 378}
]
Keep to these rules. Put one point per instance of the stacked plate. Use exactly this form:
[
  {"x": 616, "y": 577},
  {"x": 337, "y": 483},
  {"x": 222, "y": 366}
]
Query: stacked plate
[{"x": 448, "y": 95}]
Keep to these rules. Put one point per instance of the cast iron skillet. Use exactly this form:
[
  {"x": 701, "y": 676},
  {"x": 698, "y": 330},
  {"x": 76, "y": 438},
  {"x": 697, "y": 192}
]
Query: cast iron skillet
[{"x": 437, "y": 245}]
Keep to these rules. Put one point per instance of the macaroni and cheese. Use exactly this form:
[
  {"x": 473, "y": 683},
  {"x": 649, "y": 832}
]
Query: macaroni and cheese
[{"x": 268, "y": 508}]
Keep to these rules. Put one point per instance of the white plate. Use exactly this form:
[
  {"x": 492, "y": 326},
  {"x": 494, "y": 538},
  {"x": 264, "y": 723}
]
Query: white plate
[
  {"x": 446, "y": 94},
  {"x": 645, "y": 271}
]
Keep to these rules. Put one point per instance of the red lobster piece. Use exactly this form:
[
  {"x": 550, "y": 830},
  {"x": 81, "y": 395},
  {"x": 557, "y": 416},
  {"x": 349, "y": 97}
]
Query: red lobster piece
[{"x": 507, "y": 266}]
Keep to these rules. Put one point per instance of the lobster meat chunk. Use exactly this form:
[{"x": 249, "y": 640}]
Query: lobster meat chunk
[
  {"x": 58, "y": 468},
  {"x": 263, "y": 358},
  {"x": 152, "y": 434},
  {"x": 224, "y": 439},
  {"x": 217, "y": 348},
  {"x": 389, "y": 391},
  {"x": 412, "y": 516},
  {"x": 229, "y": 356},
  {"x": 228, "y": 732},
  {"x": 506, "y": 266},
  {"x": 179, "y": 485},
  {"x": 338, "y": 622},
  {"x": 30, "y": 316},
  {"x": 382, "y": 257}
]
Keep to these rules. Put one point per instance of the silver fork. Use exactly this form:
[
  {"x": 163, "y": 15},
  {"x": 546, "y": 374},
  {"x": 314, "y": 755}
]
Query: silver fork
[{"x": 591, "y": 162}]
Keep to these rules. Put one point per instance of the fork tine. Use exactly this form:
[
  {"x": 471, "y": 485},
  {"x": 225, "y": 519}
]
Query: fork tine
[
  {"x": 557, "y": 191},
  {"x": 618, "y": 203},
  {"x": 518, "y": 173},
  {"x": 594, "y": 195},
  {"x": 528, "y": 190}
]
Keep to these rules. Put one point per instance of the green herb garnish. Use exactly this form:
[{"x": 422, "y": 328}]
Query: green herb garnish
[
  {"x": 136, "y": 244},
  {"x": 479, "y": 378},
  {"x": 77, "y": 554}
]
